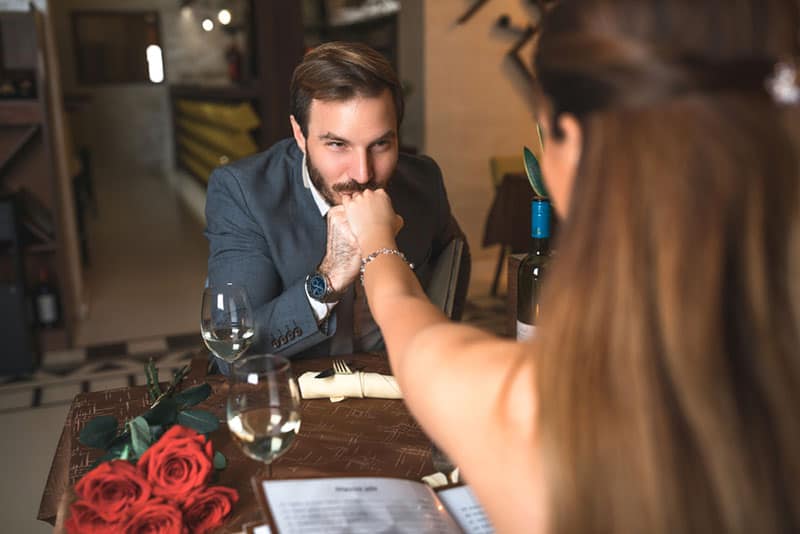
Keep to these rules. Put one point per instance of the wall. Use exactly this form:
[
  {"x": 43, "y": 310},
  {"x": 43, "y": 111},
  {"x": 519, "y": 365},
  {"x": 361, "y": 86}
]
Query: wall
[
  {"x": 129, "y": 124},
  {"x": 411, "y": 69},
  {"x": 476, "y": 105},
  {"x": 22, "y": 5}
]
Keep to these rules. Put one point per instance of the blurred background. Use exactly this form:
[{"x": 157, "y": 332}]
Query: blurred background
[{"x": 112, "y": 116}]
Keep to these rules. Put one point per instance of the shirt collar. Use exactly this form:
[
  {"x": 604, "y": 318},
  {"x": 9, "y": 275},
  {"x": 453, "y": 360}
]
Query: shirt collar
[{"x": 319, "y": 200}]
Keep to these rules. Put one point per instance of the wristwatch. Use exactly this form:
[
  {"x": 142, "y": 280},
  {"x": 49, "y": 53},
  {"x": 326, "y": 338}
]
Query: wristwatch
[{"x": 319, "y": 288}]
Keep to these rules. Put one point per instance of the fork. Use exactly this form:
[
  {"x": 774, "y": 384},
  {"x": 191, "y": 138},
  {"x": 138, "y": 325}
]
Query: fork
[{"x": 340, "y": 367}]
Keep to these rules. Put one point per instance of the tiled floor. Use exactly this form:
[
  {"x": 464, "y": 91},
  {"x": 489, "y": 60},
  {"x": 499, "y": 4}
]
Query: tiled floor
[{"x": 148, "y": 261}]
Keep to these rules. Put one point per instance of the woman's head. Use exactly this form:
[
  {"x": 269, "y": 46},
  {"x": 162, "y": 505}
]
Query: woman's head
[
  {"x": 669, "y": 371},
  {"x": 596, "y": 57}
]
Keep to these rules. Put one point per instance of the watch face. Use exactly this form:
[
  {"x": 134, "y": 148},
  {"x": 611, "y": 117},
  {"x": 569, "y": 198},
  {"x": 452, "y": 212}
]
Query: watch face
[{"x": 316, "y": 286}]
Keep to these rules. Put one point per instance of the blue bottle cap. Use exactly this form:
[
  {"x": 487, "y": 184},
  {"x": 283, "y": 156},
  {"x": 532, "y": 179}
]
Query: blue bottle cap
[{"x": 540, "y": 219}]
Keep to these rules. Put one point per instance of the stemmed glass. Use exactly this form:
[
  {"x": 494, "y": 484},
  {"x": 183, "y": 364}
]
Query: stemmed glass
[
  {"x": 226, "y": 321},
  {"x": 263, "y": 408}
]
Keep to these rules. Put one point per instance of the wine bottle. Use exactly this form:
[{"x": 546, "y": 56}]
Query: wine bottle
[
  {"x": 48, "y": 312},
  {"x": 532, "y": 271}
]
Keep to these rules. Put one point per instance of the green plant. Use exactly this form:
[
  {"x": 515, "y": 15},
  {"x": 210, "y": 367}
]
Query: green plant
[{"x": 131, "y": 439}]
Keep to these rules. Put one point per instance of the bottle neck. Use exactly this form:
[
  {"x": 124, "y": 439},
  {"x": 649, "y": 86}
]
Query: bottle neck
[{"x": 540, "y": 245}]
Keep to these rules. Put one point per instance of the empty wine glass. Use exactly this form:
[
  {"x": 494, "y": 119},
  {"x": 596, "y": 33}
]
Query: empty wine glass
[
  {"x": 226, "y": 321},
  {"x": 263, "y": 408}
]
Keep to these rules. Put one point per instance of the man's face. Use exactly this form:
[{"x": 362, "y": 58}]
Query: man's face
[{"x": 351, "y": 144}]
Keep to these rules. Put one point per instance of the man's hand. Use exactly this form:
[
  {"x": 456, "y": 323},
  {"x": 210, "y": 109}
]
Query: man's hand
[{"x": 342, "y": 256}]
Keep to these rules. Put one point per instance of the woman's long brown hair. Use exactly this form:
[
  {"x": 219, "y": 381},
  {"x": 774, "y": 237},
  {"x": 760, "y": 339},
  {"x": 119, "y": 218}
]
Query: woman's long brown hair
[{"x": 669, "y": 358}]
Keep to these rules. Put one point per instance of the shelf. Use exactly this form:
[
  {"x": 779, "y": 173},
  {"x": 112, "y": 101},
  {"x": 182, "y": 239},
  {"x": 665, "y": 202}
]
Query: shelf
[
  {"x": 20, "y": 112},
  {"x": 215, "y": 92},
  {"x": 12, "y": 140},
  {"x": 42, "y": 248}
]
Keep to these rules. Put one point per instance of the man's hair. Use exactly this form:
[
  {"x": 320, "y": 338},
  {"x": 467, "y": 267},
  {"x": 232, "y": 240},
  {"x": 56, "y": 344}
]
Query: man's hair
[{"x": 339, "y": 71}]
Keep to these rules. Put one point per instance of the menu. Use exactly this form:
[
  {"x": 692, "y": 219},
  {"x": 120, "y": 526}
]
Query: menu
[{"x": 371, "y": 504}]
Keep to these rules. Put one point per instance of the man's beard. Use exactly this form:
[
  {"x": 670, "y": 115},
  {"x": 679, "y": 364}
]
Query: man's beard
[{"x": 346, "y": 188}]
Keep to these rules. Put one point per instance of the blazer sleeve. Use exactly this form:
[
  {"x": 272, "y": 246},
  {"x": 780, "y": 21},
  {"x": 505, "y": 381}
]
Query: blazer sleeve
[{"x": 239, "y": 253}]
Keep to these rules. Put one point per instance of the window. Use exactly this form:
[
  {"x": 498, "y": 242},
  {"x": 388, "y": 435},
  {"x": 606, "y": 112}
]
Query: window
[{"x": 117, "y": 47}]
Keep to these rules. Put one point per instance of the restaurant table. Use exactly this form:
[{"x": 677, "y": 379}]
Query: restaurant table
[{"x": 376, "y": 437}]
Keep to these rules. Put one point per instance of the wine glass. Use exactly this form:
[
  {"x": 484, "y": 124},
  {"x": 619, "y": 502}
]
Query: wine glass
[
  {"x": 263, "y": 408},
  {"x": 226, "y": 321}
]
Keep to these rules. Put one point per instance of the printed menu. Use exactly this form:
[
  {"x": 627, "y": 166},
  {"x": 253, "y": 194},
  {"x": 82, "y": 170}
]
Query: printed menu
[{"x": 370, "y": 504}]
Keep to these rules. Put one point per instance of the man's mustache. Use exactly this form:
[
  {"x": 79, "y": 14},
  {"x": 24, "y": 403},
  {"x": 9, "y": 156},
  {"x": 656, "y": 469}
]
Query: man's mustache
[{"x": 353, "y": 187}]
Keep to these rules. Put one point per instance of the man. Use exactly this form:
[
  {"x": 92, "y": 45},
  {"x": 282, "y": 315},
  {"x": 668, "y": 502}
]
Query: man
[{"x": 275, "y": 223}]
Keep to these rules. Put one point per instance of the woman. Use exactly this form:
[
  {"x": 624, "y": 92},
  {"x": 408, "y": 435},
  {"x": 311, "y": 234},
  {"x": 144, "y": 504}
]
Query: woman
[{"x": 662, "y": 392}]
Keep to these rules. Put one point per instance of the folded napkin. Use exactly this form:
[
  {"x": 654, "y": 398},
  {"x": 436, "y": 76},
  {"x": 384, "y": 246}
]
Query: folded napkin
[{"x": 339, "y": 387}]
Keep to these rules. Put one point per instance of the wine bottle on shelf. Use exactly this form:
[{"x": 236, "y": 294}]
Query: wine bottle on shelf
[
  {"x": 48, "y": 309},
  {"x": 532, "y": 271}
]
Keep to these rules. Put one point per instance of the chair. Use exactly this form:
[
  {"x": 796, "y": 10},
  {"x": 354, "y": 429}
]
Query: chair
[
  {"x": 447, "y": 287},
  {"x": 508, "y": 222}
]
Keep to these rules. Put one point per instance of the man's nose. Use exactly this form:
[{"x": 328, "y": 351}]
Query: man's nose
[{"x": 362, "y": 167}]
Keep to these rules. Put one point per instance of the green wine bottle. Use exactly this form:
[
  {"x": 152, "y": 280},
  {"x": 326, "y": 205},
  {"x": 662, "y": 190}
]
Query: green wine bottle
[{"x": 532, "y": 271}]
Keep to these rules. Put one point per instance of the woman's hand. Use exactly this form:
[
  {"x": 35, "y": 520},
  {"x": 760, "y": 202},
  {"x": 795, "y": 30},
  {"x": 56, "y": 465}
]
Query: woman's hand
[{"x": 372, "y": 219}]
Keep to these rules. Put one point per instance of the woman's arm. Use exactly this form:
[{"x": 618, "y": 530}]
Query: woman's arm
[{"x": 453, "y": 376}]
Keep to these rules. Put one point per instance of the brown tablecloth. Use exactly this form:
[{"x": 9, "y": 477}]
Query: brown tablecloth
[{"x": 355, "y": 437}]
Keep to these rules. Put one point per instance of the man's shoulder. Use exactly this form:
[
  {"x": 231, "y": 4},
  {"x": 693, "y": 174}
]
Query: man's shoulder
[
  {"x": 417, "y": 169},
  {"x": 276, "y": 164}
]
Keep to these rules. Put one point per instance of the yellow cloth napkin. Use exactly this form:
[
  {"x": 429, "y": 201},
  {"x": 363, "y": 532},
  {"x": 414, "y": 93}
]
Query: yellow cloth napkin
[{"x": 339, "y": 387}]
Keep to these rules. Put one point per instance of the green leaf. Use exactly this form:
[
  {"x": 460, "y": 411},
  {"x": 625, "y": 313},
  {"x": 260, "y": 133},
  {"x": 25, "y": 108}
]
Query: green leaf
[
  {"x": 151, "y": 372},
  {"x": 141, "y": 437},
  {"x": 179, "y": 375},
  {"x": 193, "y": 395},
  {"x": 220, "y": 462},
  {"x": 99, "y": 432},
  {"x": 202, "y": 421},
  {"x": 126, "y": 452},
  {"x": 163, "y": 413},
  {"x": 534, "y": 173}
]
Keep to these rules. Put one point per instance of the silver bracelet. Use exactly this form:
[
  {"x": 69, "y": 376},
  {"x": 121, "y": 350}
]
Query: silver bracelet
[{"x": 377, "y": 253}]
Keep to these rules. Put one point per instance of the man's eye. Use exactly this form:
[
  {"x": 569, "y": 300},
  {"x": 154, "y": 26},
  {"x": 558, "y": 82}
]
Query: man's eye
[
  {"x": 382, "y": 144},
  {"x": 335, "y": 144}
]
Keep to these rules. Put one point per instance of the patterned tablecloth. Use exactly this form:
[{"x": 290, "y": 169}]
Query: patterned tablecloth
[{"x": 375, "y": 437}]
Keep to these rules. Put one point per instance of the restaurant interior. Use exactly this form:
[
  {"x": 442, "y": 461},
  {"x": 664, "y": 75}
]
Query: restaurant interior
[{"x": 113, "y": 114}]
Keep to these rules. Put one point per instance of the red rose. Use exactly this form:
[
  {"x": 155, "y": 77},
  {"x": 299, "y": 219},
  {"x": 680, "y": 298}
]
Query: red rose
[
  {"x": 156, "y": 517},
  {"x": 176, "y": 464},
  {"x": 205, "y": 509},
  {"x": 84, "y": 519},
  {"x": 113, "y": 489}
]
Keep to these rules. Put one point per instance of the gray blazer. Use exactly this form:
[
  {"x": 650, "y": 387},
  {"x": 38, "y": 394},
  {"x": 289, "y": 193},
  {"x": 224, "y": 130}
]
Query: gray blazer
[{"x": 265, "y": 233}]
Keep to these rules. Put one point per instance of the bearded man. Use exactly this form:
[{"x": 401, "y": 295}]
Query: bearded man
[{"x": 275, "y": 223}]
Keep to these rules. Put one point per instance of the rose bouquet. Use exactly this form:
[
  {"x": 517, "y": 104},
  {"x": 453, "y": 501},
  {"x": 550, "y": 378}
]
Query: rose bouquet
[{"x": 167, "y": 489}]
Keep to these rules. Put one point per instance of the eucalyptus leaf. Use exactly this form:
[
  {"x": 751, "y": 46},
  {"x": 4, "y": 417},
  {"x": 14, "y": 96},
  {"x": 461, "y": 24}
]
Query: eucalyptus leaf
[
  {"x": 140, "y": 435},
  {"x": 151, "y": 372},
  {"x": 163, "y": 413},
  {"x": 534, "y": 173},
  {"x": 126, "y": 452},
  {"x": 202, "y": 421},
  {"x": 100, "y": 432},
  {"x": 193, "y": 395},
  {"x": 220, "y": 462}
]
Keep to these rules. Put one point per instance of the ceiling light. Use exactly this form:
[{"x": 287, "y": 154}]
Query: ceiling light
[
  {"x": 207, "y": 24},
  {"x": 224, "y": 17}
]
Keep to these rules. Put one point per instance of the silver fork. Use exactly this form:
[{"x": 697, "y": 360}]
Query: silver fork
[{"x": 340, "y": 367}]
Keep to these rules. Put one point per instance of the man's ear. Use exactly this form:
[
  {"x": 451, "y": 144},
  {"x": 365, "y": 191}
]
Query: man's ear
[{"x": 299, "y": 138}]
